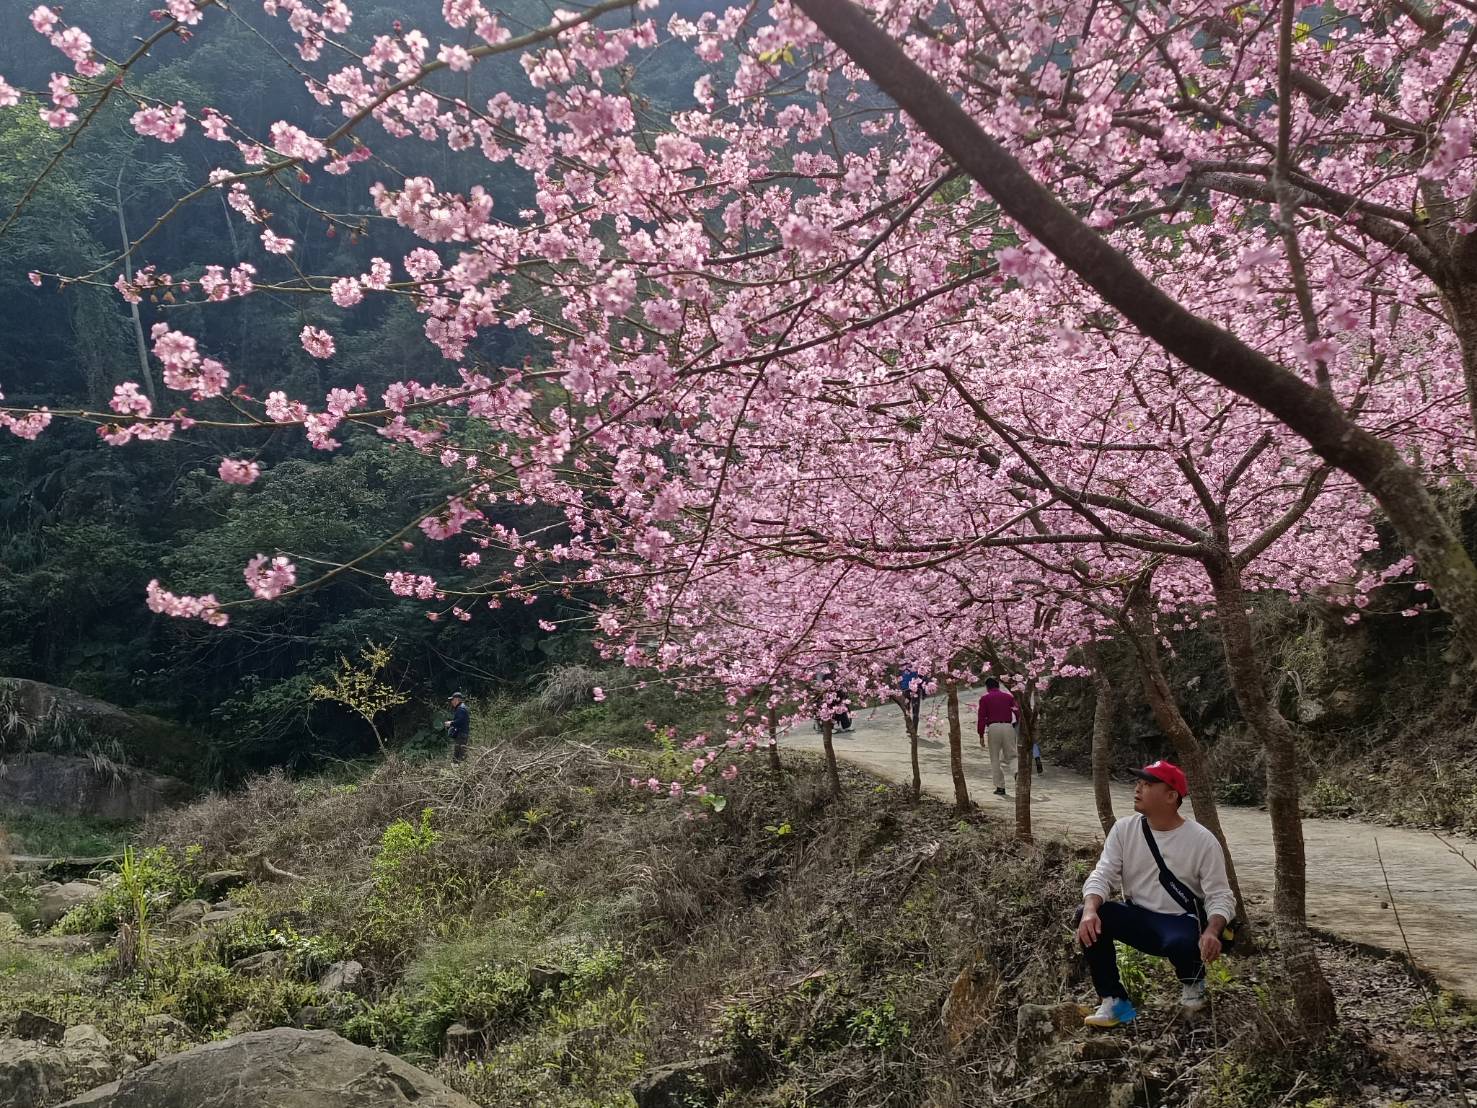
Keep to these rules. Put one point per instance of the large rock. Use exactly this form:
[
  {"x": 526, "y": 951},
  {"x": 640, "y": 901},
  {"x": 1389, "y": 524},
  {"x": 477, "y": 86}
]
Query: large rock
[
  {"x": 280, "y": 1068},
  {"x": 342, "y": 977},
  {"x": 686, "y": 1084},
  {"x": 76, "y": 787},
  {"x": 36, "y": 1075},
  {"x": 53, "y": 901}
]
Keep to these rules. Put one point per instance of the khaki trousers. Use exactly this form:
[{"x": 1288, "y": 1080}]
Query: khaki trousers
[{"x": 1000, "y": 740}]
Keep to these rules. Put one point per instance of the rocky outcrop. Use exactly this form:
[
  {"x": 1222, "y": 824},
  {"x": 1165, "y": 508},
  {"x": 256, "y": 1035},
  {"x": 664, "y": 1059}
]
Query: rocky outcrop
[
  {"x": 37, "y": 1074},
  {"x": 78, "y": 786},
  {"x": 342, "y": 977},
  {"x": 696, "y": 1081},
  {"x": 53, "y": 901},
  {"x": 280, "y": 1068}
]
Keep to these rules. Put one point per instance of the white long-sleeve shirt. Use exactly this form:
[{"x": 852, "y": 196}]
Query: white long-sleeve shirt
[{"x": 1191, "y": 853}]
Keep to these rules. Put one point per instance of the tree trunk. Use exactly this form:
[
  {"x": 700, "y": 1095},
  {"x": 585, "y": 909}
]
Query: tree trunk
[
  {"x": 1025, "y": 737},
  {"x": 1102, "y": 738},
  {"x": 912, "y": 730},
  {"x": 774, "y": 745},
  {"x": 956, "y": 752},
  {"x": 1311, "y": 992},
  {"x": 1313, "y": 413},
  {"x": 1461, "y": 310},
  {"x": 138, "y": 325},
  {"x": 1143, "y": 638},
  {"x": 833, "y": 775}
]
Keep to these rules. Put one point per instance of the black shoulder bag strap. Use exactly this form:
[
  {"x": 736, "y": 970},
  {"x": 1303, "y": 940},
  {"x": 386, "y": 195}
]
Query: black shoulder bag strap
[{"x": 1176, "y": 888}]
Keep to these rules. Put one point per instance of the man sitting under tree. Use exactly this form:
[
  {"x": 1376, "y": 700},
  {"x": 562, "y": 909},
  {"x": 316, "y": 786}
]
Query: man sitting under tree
[{"x": 1183, "y": 925}]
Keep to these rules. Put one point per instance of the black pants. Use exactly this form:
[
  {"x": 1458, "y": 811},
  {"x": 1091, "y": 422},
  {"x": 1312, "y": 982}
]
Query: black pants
[
  {"x": 1176, "y": 937},
  {"x": 915, "y": 703},
  {"x": 458, "y": 748}
]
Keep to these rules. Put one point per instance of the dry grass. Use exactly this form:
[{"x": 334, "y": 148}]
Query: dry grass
[{"x": 568, "y": 687}]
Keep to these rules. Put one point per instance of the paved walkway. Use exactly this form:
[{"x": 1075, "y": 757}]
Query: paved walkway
[{"x": 1435, "y": 891}]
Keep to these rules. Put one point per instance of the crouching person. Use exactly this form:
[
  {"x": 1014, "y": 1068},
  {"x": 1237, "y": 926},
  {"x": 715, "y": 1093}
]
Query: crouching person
[{"x": 1174, "y": 906}]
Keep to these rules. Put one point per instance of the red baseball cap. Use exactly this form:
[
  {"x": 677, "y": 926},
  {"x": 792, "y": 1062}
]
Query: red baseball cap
[{"x": 1166, "y": 772}]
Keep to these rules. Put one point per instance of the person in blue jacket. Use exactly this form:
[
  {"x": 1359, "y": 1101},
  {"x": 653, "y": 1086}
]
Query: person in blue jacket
[{"x": 459, "y": 727}]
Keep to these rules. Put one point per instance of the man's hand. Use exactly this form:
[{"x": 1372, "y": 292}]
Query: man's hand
[
  {"x": 1210, "y": 945},
  {"x": 1090, "y": 927}
]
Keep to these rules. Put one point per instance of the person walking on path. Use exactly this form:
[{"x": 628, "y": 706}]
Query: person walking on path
[
  {"x": 1176, "y": 902},
  {"x": 459, "y": 727},
  {"x": 999, "y": 715},
  {"x": 911, "y": 682}
]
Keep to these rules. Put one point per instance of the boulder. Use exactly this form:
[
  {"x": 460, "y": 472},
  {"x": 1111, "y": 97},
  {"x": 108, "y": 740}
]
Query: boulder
[
  {"x": 53, "y": 901},
  {"x": 36, "y": 1075},
  {"x": 461, "y": 1041},
  {"x": 686, "y": 1084},
  {"x": 76, "y": 786},
  {"x": 38, "y": 1028},
  {"x": 218, "y": 916},
  {"x": 86, "y": 1037},
  {"x": 546, "y": 977},
  {"x": 218, "y": 883},
  {"x": 269, "y": 963},
  {"x": 342, "y": 977},
  {"x": 971, "y": 1001},
  {"x": 66, "y": 944},
  {"x": 239, "y": 1024},
  {"x": 280, "y": 1068},
  {"x": 187, "y": 914}
]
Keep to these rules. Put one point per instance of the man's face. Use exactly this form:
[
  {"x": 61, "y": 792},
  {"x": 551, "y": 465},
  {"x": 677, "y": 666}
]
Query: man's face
[{"x": 1152, "y": 797}]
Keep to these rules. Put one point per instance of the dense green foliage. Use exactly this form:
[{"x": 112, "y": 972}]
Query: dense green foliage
[{"x": 84, "y": 527}]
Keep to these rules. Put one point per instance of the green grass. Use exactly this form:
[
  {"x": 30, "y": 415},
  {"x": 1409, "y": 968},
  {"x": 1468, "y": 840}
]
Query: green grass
[{"x": 63, "y": 836}]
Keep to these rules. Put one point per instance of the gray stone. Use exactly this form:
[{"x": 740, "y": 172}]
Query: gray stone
[
  {"x": 217, "y": 883},
  {"x": 86, "y": 1037},
  {"x": 240, "y": 1024},
  {"x": 280, "y": 1068},
  {"x": 461, "y": 1041},
  {"x": 342, "y": 977},
  {"x": 66, "y": 944},
  {"x": 546, "y": 977},
  {"x": 310, "y": 1017},
  {"x": 76, "y": 786},
  {"x": 218, "y": 916},
  {"x": 162, "y": 1026},
  {"x": 39, "y": 1028},
  {"x": 53, "y": 901},
  {"x": 1039, "y": 1027},
  {"x": 34, "y": 1075},
  {"x": 696, "y": 1081},
  {"x": 269, "y": 963},
  {"x": 187, "y": 914}
]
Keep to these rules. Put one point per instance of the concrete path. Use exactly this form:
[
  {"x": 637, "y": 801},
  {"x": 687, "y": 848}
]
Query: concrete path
[{"x": 1435, "y": 891}]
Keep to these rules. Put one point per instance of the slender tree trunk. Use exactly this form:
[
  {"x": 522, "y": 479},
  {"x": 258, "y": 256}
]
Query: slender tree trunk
[
  {"x": 1313, "y": 413},
  {"x": 1025, "y": 738},
  {"x": 1102, "y": 738},
  {"x": 1311, "y": 992},
  {"x": 912, "y": 730},
  {"x": 833, "y": 775},
  {"x": 138, "y": 325},
  {"x": 956, "y": 752},
  {"x": 1143, "y": 638},
  {"x": 774, "y": 745},
  {"x": 1461, "y": 309}
]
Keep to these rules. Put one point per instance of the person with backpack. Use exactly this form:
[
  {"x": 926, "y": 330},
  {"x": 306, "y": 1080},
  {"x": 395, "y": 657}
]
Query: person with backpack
[
  {"x": 1177, "y": 902},
  {"x": 459, "y": 727}
]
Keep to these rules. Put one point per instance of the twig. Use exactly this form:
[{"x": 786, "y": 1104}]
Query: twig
[
  {"x": 1460, "y": 853},
  {"x": 1436, "y": 1021}
]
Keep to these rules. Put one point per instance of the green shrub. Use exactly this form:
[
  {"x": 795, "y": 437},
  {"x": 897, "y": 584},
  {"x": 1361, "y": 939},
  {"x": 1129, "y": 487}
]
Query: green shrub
[{"x": 156, "y": 878}]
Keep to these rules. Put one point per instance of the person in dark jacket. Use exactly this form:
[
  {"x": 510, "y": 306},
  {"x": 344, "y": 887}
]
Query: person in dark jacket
[{"x": 459, "y": 727}]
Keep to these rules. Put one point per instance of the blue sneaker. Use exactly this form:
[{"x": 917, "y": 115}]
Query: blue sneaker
[{"x": 1112, "y": 1012}]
